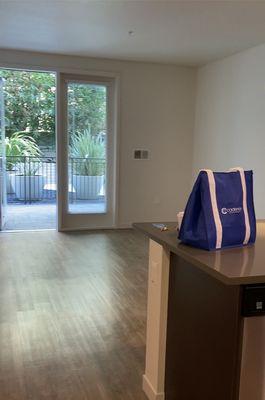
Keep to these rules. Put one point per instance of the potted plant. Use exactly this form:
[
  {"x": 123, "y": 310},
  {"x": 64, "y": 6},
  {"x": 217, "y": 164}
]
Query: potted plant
[
  {"x": 18, "y": 145},
  {"x": 88, "y": 166},
  {"x": 27, "y": 182}
]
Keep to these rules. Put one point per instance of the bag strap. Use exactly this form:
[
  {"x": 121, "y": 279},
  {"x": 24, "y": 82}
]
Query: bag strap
[
  {"x": 245, "y": 207},
  {"x": 216, "y": 216}
]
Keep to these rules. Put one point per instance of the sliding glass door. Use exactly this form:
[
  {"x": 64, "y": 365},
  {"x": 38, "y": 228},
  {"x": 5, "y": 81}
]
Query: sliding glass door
[{"x": 87, "y": 150}]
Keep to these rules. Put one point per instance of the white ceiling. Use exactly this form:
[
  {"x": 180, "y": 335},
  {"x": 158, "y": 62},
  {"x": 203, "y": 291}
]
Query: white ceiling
[{"x": 181, "y": 32}]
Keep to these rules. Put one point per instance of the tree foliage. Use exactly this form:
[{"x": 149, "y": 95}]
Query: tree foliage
[
  {"x": 30, "y": 106},
  {"x": 86, "y": 109},
  {"x": 29, "y": 103}
]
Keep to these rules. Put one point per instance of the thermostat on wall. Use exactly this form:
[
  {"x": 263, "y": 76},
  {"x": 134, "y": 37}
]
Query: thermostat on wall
[{"x": 139, "y": 154}]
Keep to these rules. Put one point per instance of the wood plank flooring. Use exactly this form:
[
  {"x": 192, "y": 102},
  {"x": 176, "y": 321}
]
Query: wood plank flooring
[{"x": 72, "y": 315}]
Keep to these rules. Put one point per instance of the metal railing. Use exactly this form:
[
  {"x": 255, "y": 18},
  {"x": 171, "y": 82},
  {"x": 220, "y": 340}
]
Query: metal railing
[{"x": 33, "y": 179}]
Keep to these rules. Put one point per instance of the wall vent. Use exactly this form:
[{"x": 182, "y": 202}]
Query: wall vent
[{"x": 139, "y": 154}]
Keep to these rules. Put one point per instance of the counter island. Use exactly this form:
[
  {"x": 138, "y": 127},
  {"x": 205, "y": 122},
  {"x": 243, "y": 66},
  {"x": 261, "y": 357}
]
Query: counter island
[{"x": 205, "y": 319}]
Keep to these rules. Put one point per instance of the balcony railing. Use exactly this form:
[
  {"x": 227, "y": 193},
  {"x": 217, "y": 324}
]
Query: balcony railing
[{"x": 32, "y": 179}]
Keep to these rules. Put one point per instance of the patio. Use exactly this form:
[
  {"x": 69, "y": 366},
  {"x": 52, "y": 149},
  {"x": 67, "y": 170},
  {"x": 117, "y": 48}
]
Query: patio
[
  {"x": 31, "y": 216},
  {"x": 31, "y": 190},
  {"x": 43, "y": 215}
]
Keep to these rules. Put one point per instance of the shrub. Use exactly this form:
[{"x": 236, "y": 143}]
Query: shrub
[
  {"x": 19, "y": 145},
  {"x": 88, "y": 153}
]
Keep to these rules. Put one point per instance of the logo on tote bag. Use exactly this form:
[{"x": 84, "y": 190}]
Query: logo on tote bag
[{"x": 234, "y": 210}]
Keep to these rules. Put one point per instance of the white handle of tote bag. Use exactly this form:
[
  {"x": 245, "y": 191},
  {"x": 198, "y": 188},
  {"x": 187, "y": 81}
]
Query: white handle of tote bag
[{"x": 245, "y": 206}]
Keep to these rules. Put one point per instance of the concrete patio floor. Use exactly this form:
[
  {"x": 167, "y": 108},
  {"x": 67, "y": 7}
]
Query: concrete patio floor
[{"x": 43, "y": 215}]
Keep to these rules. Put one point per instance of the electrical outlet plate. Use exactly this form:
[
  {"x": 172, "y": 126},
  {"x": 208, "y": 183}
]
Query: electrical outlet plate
[{"x": 141, "y": 154}]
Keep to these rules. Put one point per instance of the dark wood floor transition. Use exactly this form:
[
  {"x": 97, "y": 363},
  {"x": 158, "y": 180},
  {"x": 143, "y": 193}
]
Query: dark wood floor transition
[{"x": 72, "y": 315}]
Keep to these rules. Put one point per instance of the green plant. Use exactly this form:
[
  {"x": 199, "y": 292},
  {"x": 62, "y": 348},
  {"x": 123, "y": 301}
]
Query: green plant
[
  {"x": 19, "y": 145},
  {"x": 88, "y": 154}
]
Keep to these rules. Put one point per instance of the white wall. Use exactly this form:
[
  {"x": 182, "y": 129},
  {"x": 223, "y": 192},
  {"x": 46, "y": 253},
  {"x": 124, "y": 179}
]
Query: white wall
[
  {"x": 157, "y": 113},
  {"x": 230, "y": 117}
]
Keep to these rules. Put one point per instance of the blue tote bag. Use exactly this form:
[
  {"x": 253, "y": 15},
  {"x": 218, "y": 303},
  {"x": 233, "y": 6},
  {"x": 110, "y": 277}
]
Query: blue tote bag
[{"x": 220, "y": 211}]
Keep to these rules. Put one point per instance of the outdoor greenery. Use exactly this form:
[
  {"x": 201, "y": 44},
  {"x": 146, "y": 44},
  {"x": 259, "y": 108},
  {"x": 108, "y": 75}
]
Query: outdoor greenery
[
  {"x": 17, "y": 145},
  {"x": 30, "y": 106},
  {"x": 89, "y": 154},
  {"x": 86, "y": 109}
]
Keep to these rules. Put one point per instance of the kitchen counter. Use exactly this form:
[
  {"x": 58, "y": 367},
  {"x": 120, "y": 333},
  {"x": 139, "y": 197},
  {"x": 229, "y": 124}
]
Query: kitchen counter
[{"x": 242, "y": 265}]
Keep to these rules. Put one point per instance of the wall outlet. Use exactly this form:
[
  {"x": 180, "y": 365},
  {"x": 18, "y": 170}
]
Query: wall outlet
[{"x": 140, "y": 154}]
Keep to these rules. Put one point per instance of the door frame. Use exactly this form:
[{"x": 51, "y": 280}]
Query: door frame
[
  {"x": 84, "y": 221},
  {"x": 58, "y": 70},
  {"x": 3, "y": 194}
]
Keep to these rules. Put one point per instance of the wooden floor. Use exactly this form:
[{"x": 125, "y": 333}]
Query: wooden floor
[{"x": 72, "y": 315}]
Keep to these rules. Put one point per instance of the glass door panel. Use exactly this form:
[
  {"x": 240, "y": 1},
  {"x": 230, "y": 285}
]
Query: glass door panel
[{"x": 87, "y": 144}]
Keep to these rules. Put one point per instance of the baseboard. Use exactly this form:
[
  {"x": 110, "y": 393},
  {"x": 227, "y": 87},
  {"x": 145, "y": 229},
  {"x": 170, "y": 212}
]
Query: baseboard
[
  {"x": 124, "y": 226},
  {"x": 74, "y": 229},
  {"x": 104, "y": 228},
  {"x": 150, "y": 391}
]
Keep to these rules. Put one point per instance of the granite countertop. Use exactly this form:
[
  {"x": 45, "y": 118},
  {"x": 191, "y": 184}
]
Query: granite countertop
[{"x": 236, "y": 266}]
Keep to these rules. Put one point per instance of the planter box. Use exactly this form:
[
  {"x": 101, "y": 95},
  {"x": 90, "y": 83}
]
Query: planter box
[
  {"x": 88, "y": 187},
  {"x": 28, "y": 187}
]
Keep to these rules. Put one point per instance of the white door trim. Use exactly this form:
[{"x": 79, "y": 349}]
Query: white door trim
[{"x": 67, "y": 220}]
